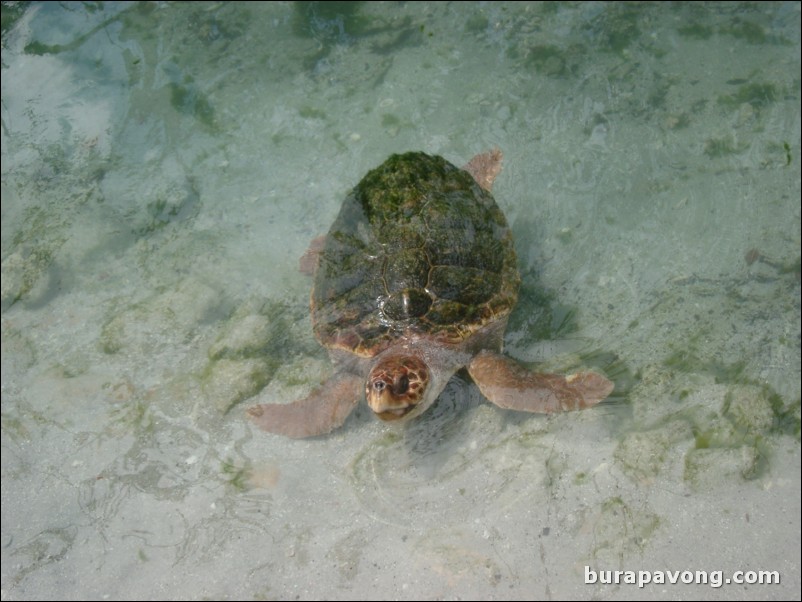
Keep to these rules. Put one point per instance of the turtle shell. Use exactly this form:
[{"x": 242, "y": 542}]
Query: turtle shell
[{"x": 418, "y": 248}]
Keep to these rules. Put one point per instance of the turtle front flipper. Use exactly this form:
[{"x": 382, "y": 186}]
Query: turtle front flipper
[
  {"x": 509, "y": 385},
  {"x": 319, "y": 413}
]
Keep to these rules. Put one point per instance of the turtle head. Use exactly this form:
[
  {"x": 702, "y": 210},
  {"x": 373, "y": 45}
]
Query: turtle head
[{"x": 396, "y": 387}]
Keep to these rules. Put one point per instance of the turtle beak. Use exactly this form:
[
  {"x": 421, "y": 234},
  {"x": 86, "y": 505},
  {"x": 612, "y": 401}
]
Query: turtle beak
[
  {"x": 396, "y": 386},
  {"x": 389, "y": 400}
]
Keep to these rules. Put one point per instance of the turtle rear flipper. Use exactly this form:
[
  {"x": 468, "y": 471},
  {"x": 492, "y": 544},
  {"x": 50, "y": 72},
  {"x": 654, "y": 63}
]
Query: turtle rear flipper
[
  {"x": 307, "y": 264},
  {"x": 509, "y": 385},
  {"x": 485, "y": 167},
  {"x": 321, "y": 412}
]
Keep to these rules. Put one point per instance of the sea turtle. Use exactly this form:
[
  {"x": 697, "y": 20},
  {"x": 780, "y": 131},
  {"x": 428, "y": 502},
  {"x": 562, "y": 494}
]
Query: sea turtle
[{"x": 414, "y": 281}]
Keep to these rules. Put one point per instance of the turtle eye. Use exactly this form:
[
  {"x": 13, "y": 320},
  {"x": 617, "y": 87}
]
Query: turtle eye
[
  {"x": 379, "y": 385},
  {"x": 403, "y": 385}
]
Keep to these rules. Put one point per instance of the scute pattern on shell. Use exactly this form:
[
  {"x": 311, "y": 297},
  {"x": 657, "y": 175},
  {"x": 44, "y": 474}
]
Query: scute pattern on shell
[{"x": 418, "y": 247}]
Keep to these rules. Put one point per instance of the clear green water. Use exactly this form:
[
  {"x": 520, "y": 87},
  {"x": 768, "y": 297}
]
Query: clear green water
[{"x": 164, "y": 166}]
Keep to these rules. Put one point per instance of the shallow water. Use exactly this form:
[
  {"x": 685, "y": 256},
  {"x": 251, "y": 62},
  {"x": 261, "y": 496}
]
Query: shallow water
[{"x": 164, "y": 166}]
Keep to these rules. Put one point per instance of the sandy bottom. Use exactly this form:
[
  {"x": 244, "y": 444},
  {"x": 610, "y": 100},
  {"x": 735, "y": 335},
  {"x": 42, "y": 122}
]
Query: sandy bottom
[{"x": 164, "y": 166}]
